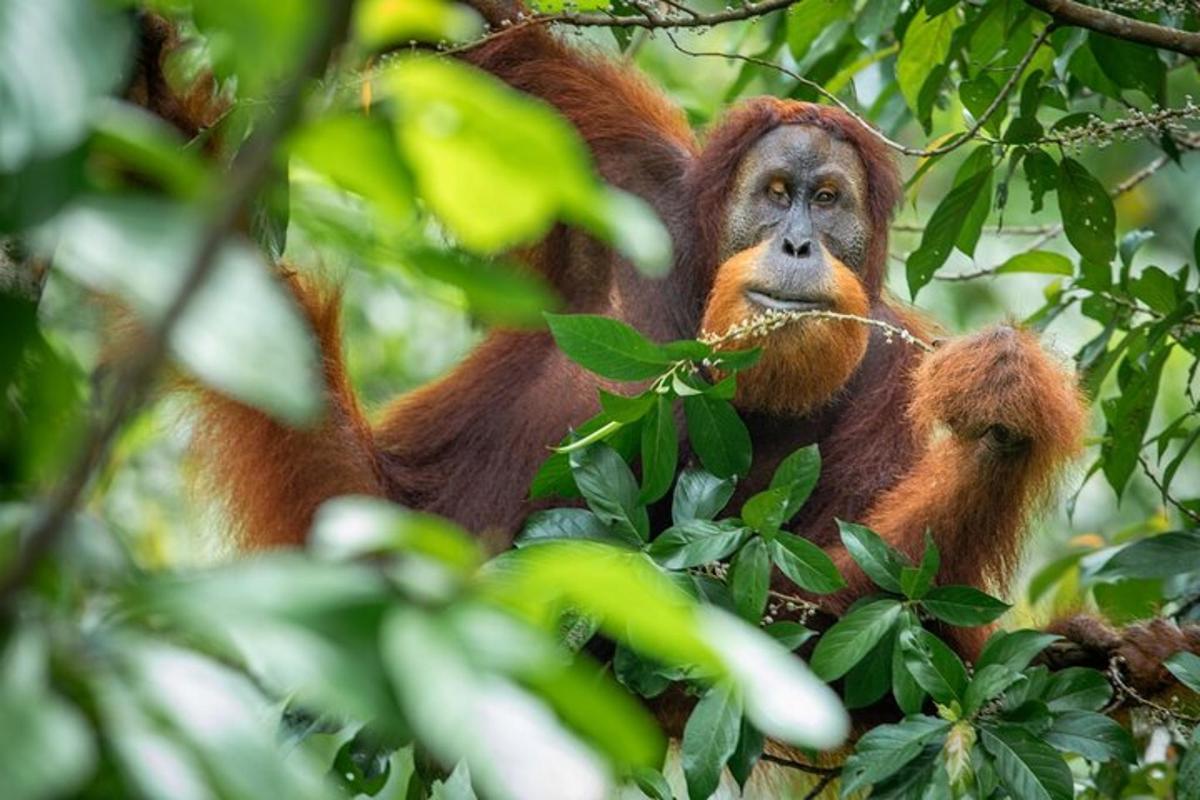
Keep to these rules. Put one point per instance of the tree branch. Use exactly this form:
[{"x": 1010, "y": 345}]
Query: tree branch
[
  {"x": 249, "y": 169},
  {"x": 1066, "y": 12}
]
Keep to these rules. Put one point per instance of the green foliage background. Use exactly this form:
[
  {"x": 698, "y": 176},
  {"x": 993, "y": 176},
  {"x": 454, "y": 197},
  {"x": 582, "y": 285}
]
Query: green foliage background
[{"x": 125, "y": 671}]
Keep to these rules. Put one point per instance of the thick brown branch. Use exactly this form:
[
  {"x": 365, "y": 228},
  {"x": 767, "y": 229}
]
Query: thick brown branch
[
  {"x": 249, "y": 169},
  {"x": 1067, "y": 12}
]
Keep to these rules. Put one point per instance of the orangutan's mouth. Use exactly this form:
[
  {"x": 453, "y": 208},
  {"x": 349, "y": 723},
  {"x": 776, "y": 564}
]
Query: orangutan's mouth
[{"x": 767, "y": 299}]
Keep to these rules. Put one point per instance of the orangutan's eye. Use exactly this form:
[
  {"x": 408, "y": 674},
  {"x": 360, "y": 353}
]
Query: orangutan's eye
[
  {"x": 778, "y": 191},
  {"x": 825, "y": 197}
]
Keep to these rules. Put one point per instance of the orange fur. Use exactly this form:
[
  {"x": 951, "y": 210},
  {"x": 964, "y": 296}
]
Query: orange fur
[
  {"x": 974, "y": 496},
  {"x": 271, "y": 477},
  {"x": 804, "y": 364}
]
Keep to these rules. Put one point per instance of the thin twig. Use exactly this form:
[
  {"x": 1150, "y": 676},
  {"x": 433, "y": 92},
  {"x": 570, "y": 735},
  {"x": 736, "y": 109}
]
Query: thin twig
[
  {"x": 1187, "y": 512},
  {"x": 918, "y": 152},
  {"x": 820, "y": 787},
  {"x": 791, "y": 763},
  {"x": 1119, "y": 26},
  {"x": 1118, "y": 681},
  {"x": 772, "y": 320},
  {"x": 250, "y": 167}
]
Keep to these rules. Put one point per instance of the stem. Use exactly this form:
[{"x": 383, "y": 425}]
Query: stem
[
  {"x": 249, "y": 169},
  {"x": 595, "y": 436},
  {"x": 771, "y": 320},
  {"x": 1066, "y": 12}
]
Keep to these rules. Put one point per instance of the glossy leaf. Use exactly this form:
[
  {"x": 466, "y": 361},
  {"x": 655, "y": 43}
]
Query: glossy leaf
[
  {"x": 606, "y": 346},
  {"x": 852, "y": 637}
]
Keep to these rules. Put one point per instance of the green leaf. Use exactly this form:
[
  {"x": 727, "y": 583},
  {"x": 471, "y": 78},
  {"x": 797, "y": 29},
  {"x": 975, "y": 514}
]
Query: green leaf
[
  {"x": 1041, "y": 262},
  {"x": 1014, "y": 649},
  {"x": 1088, "y": 216},
  {"x": 1187, "y": 781},
  {"x": 783, "y": 699},
  {"x": 805, "y": 564},
  {"x": 696, "y": 542},
  {"x": 1128, "y": 416},
  {"x": 963, "y": 605},
  {"x": 750, "y": 578},
  {"x": 789, "y": 634},
  {"x": 749, "y": 751},
  {"x": 979, "y": 161},
  {"x": 916, "y": 582},
  {"x": 610, "y": 490},
  {"x": 766, "y": 511},
  {"x": 699, "y": 495},
  {"x": 350, "y": 528},
  {"x": 378, "y": 23},
  {"x": 933, "y": 665},
  {"x": 870, "y": 679},
  {"x": 986, "y": 684},
  {"x": 878, "y": 559},
  {"x": 1156, "y": 289},
  {"x": 852, "y": 637},
  {"x": 566, "y": 523},
  {"x": 886, "y": 749},
  {"x": 709, "y": 739},
  {"x": 798, "y": 473},
  {"x": 808, "y": 18},
  {"x": 1093, "y": 736},
  {"x": 943, "y": 229},
  {"x": 926, "y": 42},
  {"x": 1041, "y": 173},
  {"x": 48, "y": 749},
  {"x": 1130, "y": 65},
  {"x": 140, "y": 249},
  {"x": 1163, "y": 556},
  {"x": 79, "y": 48},
  {"x": 718, "y": 436},
  {"x": 499, "y": 293},
  {"x": 260, "y": 42},
  {"x": 910, "y": 697},
  {"x": 660, "y": 450},
  {"x": 627, "y": 409},
  {"x": 461, "y": 712},
  {"x": 652, "y": 783},
  {"x": 358, "y": 154},
  {"x": 1186, "y": 667},
  {"x": 607, "y": 347},
  {"x": 499, "y": 168},
  {"x": 1077, "y": 689},
  {"x": 1028, "y": 769}
]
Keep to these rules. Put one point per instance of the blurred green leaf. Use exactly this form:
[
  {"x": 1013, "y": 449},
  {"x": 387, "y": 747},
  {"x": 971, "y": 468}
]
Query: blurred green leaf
[
  {"x": 500, "y": 293},
  {"x": 140, "y": 249},
  {"x": 512, "y": 742},
  {"x": 259, "y": 41},
  {"x": 57, "y": 58},
  {"x": 383, "y": 22},
  {"x": 350, "y": 528},
  {"x": 46, "y": 749},
  {"x": 808, "y": 18},
  {"x": 357, "y": 153}
]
